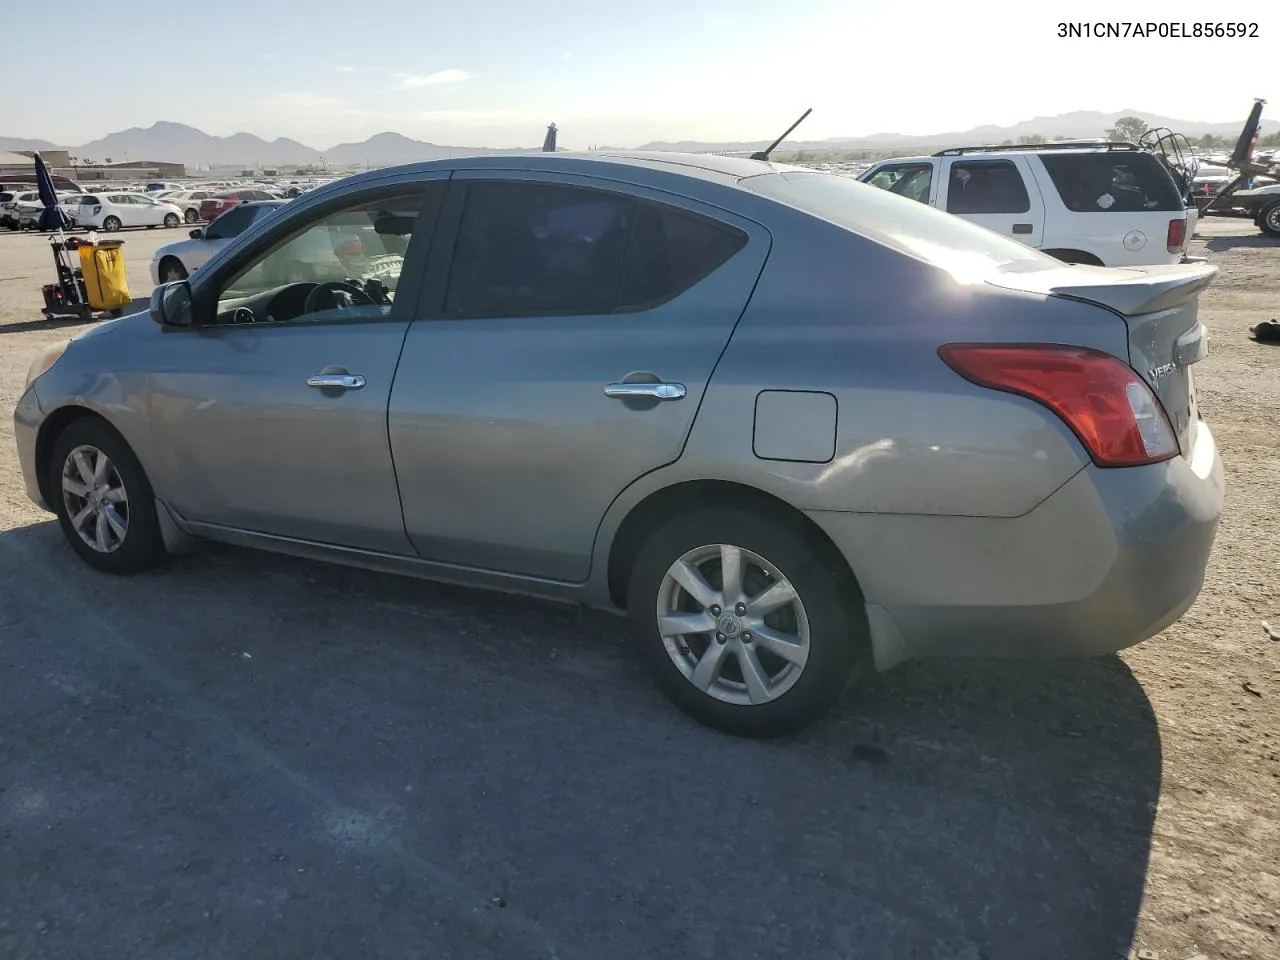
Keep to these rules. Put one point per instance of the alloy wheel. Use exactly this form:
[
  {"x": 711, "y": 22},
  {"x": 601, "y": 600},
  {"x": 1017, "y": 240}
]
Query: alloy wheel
[
  {"x": 732, "y": 624},
  {"x": 95, "y": 497}
]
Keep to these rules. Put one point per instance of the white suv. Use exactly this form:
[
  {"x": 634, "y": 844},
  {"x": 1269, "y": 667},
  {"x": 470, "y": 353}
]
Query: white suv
[{"x": 1108, "y": 204}]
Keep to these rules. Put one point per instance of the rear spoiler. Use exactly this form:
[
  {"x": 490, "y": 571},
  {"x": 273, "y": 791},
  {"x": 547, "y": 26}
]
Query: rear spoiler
[{"x": 1127, "y": 291}]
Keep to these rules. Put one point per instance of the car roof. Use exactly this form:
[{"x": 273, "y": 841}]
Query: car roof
[
  {"x": 985, "y": 153},
  {"x": 704, "y": 166}
]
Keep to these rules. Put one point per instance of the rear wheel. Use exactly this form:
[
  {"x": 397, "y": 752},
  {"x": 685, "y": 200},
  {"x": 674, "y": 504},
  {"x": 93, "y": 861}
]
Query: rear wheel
[
  {"x": 172, "y": 220},
  {"x": 1269, "y": 220},
  {"x": 1075, "y": 256},
  {"x": 103, "y": 500},
  {"x": 191, "y": 216},
  {"x": 111, "y": 224},
  {"x": 746, "y": 624}
]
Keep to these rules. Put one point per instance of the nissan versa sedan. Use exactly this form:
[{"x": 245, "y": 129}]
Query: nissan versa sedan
[{"x": 795, "y": 427}]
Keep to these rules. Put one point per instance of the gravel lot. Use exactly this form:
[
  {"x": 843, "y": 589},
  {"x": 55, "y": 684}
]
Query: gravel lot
[{"x": 251, "y": 756}]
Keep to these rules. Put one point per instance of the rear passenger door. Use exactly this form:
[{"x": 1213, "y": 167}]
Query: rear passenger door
[
  {"x": 565, "y": 338},
  {"x": 999, "y": 194}
]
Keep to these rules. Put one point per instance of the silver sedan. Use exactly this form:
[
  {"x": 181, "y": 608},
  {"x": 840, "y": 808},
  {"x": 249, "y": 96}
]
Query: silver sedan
[{"x": 794, "y": 427}]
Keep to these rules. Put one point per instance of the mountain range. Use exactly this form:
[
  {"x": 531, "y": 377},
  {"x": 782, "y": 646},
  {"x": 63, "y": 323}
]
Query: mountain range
[{"x": 178, "y": 142}]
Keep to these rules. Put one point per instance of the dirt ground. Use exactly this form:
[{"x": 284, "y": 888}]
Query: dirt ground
[{"x": 285, "y": 759}]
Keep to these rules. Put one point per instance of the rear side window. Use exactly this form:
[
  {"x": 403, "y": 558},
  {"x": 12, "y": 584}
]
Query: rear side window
[
  {"x": 986, "y": 186},
  {"x": 549, "y": 250},
  {"x": 90, "y": 198},
  {"x": 230, "y": 224},
  {"x": 670, "y": 251},
  {"x": 1112, "y": 182},
  {"x": 915, "y": 229}
]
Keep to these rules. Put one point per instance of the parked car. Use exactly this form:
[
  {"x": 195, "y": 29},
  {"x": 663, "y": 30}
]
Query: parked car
[
  {"x": 794, "y": 426},
  {"x": 1263, "y": 204},
  {"x": 1260, "y": 203},
  {"x": 70, "y": 206},
  {"x": 159, "y": 186},
  {"x": 177, "y": 261},
  {"x": 213, "y": 207},
  {"x": 111, "y": 211},
  {"x": 10, "y": 207},
  {"x": 189, "y": 201},
  {"x": 1107, "y": 205}
]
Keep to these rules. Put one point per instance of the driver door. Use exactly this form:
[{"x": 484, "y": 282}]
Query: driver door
[{"x": 270, "y": 412}]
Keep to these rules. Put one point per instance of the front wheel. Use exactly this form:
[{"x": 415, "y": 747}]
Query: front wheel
[
  {"x": 1269, "y": 220},
  {"x": 111, "y": 224},
  {"x": 103, "y": 500},
  {"x": 746, "y": 622},
  {"x": 172, "y": 270},
  {"x": 172, "y": 220}
]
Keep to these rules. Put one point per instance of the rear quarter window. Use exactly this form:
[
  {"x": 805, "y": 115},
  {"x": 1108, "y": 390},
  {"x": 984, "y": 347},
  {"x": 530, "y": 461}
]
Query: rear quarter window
[
  {"x": 912, "y": 228},
  {"x": 1112, "y": 182}
]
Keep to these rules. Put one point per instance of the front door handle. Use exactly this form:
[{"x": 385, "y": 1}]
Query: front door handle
[
  {"x": 1022, "y": 228},
  {"x": 336, "y": 381},
  {"x": 654, "y": 391}
]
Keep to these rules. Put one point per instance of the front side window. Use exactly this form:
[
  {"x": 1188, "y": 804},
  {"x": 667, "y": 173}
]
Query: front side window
[
  {"x": 911, "y": 180},
  {"x": 986, "y": 186},
  {"x": 537, "y": 249},
  {"x": 346, "y": 265}
]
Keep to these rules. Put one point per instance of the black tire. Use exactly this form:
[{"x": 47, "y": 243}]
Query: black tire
[
  {"x": 172, "y": 220},
  {"x": 1269, "y": 220},
  {"x": 172, "y": 270},
  {"x": 142, "y": 545},
  {"x": 111, "y": 224},
  {"x": 191, "y": 216},
  {"x": 838, "y": 639}
]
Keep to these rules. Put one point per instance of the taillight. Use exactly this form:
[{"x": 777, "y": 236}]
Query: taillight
[
  {"x": 1177, "y": 235},
  {"x": 97, "y": 210},
  {"x": 1104, "y": 402}
]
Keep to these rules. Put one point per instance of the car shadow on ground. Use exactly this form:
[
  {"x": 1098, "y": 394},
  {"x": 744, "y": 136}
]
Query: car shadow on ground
[
  {"x": 55, "y": 323},
  {"x": 1221, "y": 244},
  {"x": 258, "y": 755}
]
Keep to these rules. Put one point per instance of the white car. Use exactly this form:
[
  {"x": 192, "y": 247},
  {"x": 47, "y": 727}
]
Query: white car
[
  {"x": 111, "y": 211},
  {"x": 177, "y": 261},
  {"x": 189, "y": 201},
  {"x": 1095, "y": 202},
  {"x": 9, "y": 209}
]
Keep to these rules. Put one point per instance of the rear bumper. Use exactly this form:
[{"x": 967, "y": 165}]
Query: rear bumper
[{"x": 1110, "y": 559}]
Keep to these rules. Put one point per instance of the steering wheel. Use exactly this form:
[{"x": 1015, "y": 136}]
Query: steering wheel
[{"x": 341, "y": 294}]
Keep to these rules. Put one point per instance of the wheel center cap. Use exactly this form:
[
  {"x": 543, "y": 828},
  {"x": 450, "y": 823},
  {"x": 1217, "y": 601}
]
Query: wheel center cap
[{"x": 729, "y": 625}]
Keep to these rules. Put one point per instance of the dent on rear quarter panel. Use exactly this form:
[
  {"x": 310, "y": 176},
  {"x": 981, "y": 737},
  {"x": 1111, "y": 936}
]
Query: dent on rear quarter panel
[{"x": 838, "y": 313}]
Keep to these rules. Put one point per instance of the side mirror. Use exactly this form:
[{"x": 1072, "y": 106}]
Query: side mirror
[
  {"x": 171, "y": 304},
  {"x": 197, "y": 233}
]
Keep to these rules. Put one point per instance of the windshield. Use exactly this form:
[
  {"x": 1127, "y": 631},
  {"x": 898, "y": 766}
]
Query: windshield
[{"x": 913, "y": 228}]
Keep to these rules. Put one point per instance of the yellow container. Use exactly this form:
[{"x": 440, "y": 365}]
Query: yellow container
[{"x": 106, "y": 281}]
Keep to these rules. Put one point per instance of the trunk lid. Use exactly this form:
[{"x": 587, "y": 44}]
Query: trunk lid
[{"x": 1160, "y": 307}]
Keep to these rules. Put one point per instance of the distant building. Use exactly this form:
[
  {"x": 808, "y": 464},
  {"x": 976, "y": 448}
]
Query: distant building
[{"x": 62, "y": 164}]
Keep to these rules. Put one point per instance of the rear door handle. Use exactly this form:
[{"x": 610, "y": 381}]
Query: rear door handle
[
  {"x": 336, "y": 381},
  {"x": 1022, "y": 228},
  {"x": 655, "y": 391}
]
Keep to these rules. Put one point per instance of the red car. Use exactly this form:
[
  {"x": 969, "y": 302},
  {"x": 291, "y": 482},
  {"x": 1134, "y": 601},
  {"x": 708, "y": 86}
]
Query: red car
[{"x": 215, "y": 207}]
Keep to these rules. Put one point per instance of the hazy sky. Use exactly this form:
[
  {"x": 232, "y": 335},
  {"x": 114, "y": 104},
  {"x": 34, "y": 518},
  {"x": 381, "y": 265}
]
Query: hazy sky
[{"x": 619, "y": 72}]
